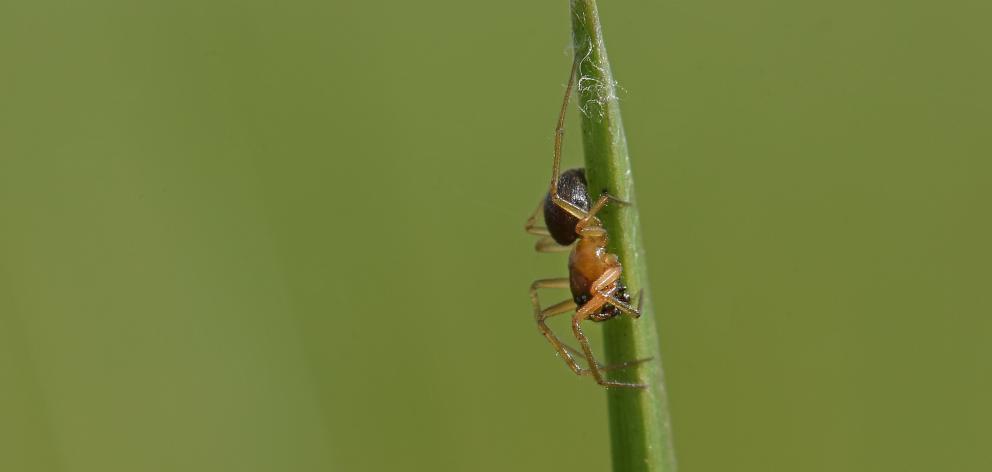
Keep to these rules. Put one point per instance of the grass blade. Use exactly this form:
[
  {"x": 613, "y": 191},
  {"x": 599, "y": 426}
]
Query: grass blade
[{"x": 639, "y": 422}]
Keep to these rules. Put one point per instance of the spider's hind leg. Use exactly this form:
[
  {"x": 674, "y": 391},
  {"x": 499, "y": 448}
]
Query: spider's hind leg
[{"x": 584, "y": 313}]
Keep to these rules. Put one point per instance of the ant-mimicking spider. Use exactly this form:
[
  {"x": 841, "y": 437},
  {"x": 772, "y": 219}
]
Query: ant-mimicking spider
[{"x": 598, "y": 294}]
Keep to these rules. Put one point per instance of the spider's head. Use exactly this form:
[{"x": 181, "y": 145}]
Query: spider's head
[{"x": 609, "y": 311}]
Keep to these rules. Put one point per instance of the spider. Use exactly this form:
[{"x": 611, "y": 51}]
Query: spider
[{"x": 598, "y": 293}]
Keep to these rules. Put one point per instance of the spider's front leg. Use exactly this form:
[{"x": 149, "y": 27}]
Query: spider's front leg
[
  {"x": 584, "y": 313},
  {"x": 567, "y": 353},
  {"x": 603, "y": 290}
]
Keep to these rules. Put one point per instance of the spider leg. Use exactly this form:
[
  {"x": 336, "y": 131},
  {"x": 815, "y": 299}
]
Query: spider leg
[
  {"x": 623, "y": 307},
  {"x": 567, "y": 352},
  {"x": 557, "y": 309},
  {"x": 601, "y": 288},
  {"x": 602, "y": 201},
  {"x": 605, "y": 285},
  {"x": 581, "y": 315},
  {"x": 606, "y": 368},
  {"x": 542, "y": 314},
  {"x": 590, "y": 223},
  {"x": 556, "y": 166}
]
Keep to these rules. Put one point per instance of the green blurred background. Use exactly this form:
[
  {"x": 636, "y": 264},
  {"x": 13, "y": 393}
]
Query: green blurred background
[{"x": 288, "y": 235}]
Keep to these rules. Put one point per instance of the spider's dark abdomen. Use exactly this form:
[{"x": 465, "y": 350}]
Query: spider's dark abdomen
[{"x": 560, "y": 223}]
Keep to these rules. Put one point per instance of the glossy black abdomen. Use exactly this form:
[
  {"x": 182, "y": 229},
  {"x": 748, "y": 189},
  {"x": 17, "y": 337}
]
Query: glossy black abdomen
[{"x": 560, "y": 223}]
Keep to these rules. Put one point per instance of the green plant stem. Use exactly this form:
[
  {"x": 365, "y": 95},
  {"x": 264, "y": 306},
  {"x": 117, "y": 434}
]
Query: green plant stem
[{"x": 639, "y": 422}]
